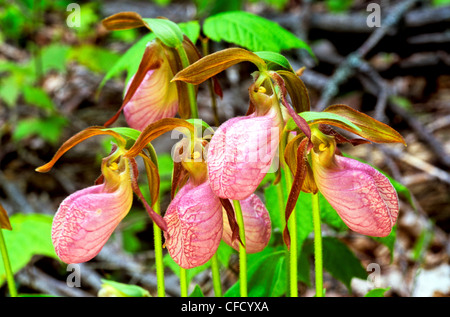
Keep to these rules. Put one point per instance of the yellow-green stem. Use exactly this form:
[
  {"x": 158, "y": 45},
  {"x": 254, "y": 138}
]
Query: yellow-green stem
[
  {"x": 7, "y": 264},
  {"x": 183, "y": 282},
  {"x": 191, "y": 89},
  {"x": 242, "y": 250},
  {"x": 318, "y": 261},
  {"x": 292, "y": 225},
  {"x": 216, "y": 276},
  {"x": 159, "y": 255}
]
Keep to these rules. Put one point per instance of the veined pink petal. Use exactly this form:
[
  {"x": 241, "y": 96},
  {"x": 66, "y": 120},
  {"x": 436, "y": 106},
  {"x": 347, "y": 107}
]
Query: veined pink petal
[
  {"x": 257, "y": 225},
  {"x": 240, "y": 154},
  {"x": 86, "y": 219},
  {"x": 194, "y": 225},
  {"x": 155, "y": 98},
  {"x": 363, "y": 197}
]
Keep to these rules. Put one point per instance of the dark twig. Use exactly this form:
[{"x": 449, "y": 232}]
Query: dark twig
[{"x": 346, "y": 69}]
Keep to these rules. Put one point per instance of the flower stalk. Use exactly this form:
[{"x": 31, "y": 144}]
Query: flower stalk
[
  {"x": 216, "y": 276},
  {"x": 242, "y": 250},
  {"x": 183, "y": 282},
  {"x": 293, "y": 260},
  {"x": 190, "y": 88},
  {"x": 7, "y": 263},
  {"x": 159, "y": 254},
  {"x": 318, "y": 260}
]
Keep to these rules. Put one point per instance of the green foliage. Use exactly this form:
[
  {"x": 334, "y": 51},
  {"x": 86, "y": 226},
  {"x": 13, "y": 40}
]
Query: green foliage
[
  {"x": 248, "y": 30},
  {"x": 95, "y": 58},
  {"x": 377, "y": 292},
  {"x": 267, "y": 274},
  {"x": 48, "y": 128},
  {"x": 116, "y": 289},
  {"x": 30, "y": 236},
  {"x": 437, "y": 3},
  {"x": 197, "y": 292},
  {"x": 338, "y": 6}
]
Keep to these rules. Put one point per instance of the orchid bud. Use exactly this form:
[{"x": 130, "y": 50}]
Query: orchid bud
[
  {"x": 194, "y": 225},
  {"x": 241, "y": 152},
  {"x": 155, "y": 97},
  {"x": 363, "y": 197},
  {"x": 257, "y": 225},
  {"x": 86, "y": 219}
]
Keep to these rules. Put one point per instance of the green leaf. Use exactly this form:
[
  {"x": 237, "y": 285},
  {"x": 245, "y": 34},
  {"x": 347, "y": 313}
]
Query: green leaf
[
  {"x": 322, "y": 117},
  {"x": 197, "y": 292},
  {"x": 53, "y": 57},
  {"x": 9, "y": 91},
  {"x": 116, "y": 289},
  {"x": 339, "y": 5},
  {"x": 31, "y": 235},
  {"x": 167, "y": 31},
  {"x": 267, "y": 276},
  {"x": 251, "y": 31},
  {"x": 38, "y": 97},
  {"x": 48, "y": 129},
  {"x": 275, "y": 58},
  {"x": 95, "y": 58},
  {"x": 128, "y": 133},
  {"x": 191, "y": 29},
  {"x": 377, "y": 292}
]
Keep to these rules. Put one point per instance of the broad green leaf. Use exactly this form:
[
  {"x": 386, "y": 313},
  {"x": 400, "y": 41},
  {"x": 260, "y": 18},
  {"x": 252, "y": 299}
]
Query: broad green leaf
[
  {"x": 167, "y": 31},
  {"x": 115, "y": 289},
  {"x": 197, "y": 292},
  {"x": 31, "y": 235},
  {"x": 267, "y": 276},
  {"x": 251, "y": 31},
  {"x": 377, "y": 292},
  {"x": 275, "y": 58}
]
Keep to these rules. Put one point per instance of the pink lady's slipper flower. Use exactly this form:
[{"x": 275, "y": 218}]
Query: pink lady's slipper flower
[
  {"x": 242, "y": 149},
  {"x": 363, "y": 197},
  {"x": 197, "y": 219},
  {"x": 257, "y": 225},
  {"x": 155, "y": 97},
  {"x": 194, "y": 225},
  {"x": 86, "y": 219}
]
